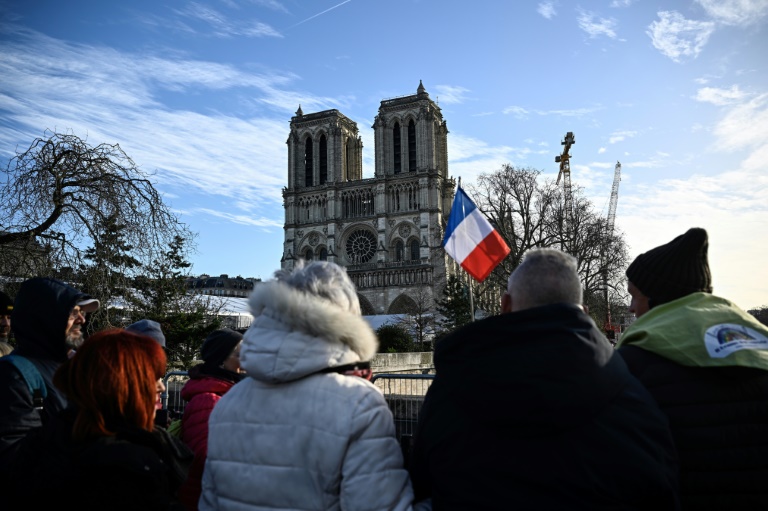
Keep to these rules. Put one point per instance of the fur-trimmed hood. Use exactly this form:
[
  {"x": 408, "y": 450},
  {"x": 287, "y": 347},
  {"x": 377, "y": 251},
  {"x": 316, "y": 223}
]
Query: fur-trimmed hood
[{"x": 295, "y": 334}]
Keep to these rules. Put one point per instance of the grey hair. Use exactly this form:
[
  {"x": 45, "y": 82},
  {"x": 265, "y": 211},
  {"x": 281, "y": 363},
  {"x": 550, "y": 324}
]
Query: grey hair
[
  {"x": 323, "y": 279},
  {"x": 546, "y": 276}
]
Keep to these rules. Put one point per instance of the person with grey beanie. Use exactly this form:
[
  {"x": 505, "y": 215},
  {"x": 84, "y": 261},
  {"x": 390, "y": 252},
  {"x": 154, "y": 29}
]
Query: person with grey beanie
[
  {"x": 705, "y": 361},
  {"x": 149, "y": 328},
  {"x": 208, "y": 382}
]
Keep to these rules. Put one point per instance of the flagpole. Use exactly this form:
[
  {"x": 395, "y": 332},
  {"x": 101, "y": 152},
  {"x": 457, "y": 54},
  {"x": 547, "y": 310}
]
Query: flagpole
[
  {"x": 472, "y": 242},
  {"x": 471, "y": 300},
  {"x": 469, "y": 279}
]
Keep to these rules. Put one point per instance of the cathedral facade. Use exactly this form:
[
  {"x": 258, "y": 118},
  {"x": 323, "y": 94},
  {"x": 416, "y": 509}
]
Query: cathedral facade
[{"x": 386, "y": 230}]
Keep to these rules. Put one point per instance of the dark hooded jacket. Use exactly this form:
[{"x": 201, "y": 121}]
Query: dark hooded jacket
[
  {"x": 535, "y": 410},
  {"x": 39, "y": 320}
]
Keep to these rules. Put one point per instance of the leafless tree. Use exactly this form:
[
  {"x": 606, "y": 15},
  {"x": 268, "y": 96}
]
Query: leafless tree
[
  {"x": 529, "y": 212},
  {"x": 67, "y": 206},
  {"x": 420, "y": 318}
]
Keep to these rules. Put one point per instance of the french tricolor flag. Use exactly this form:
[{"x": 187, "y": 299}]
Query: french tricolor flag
[{"x": 471, "y": 240}]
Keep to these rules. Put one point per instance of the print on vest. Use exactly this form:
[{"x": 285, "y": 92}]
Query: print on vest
[{"x": 724, "y": 339}]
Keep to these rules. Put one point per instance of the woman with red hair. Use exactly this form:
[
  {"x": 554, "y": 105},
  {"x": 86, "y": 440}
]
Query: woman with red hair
[{"x": 103, "y": 451}]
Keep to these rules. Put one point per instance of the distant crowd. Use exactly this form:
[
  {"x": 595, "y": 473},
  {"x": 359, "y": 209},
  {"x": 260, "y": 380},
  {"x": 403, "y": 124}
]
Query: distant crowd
[{"x": 530, "y": 409}]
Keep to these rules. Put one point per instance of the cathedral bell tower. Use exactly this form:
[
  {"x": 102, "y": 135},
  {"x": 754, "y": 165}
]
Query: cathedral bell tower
[{"x": 386, "y": 230}]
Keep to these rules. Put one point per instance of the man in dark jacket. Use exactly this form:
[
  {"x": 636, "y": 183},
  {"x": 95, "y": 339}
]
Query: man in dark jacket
[
  {"x": 47, "y": 319},
  {"x": 6, "y": 308},
  {"x": 705, "y": 361},
  {"x": 533, "y": 409}
]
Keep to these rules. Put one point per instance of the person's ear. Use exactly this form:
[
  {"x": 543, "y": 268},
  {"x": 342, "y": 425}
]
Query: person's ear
[{"x": 506, "y": 303}]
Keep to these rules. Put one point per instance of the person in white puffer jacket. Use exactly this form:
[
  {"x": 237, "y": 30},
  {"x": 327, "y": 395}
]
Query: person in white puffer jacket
[{"x": 296, "y": 433}]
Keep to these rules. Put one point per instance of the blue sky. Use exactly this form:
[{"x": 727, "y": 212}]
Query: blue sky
[{"x": 200, "y": 94}]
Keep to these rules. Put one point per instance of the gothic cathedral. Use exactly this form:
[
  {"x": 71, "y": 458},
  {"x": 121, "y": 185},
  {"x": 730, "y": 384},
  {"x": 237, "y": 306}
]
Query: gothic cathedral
[{"x": 386, "y": 230}]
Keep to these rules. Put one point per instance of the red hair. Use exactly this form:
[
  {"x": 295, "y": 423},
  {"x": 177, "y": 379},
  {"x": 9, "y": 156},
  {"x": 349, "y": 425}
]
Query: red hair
[{"x": 113, "y": 381}]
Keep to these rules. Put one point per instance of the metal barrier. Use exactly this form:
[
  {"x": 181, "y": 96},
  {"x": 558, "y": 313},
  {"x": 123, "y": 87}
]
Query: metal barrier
[
  {"x": 404, "y": 394},
  {"x": 171, "y": 398}
]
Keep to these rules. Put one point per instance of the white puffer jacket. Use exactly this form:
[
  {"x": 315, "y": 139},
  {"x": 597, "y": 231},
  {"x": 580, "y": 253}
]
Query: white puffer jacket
[{"x": 288, "y": 438}]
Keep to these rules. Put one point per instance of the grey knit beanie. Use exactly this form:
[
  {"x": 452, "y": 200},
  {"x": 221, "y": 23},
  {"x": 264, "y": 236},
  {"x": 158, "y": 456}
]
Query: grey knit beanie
[{"x": 149, "y": 328}]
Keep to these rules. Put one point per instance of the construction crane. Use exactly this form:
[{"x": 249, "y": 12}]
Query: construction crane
[
  {"x": 610, "y": 329},
  {"x": 565, "y": 173},
  {"x": 614, "y": 198}
]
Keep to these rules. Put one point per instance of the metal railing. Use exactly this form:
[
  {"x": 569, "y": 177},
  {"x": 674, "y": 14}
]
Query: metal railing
[
  {"x": 171, "y": 398},
  {"x": 404, "y": 394}
]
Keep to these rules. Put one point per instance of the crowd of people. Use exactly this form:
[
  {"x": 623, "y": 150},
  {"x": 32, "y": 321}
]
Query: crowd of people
[{"x": 530, "y": 409}]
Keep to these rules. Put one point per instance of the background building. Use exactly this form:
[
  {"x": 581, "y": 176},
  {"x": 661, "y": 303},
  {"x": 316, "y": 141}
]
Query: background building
[
  {"x": 222, "y": 285},
  {"x": 386, "y": 230}
]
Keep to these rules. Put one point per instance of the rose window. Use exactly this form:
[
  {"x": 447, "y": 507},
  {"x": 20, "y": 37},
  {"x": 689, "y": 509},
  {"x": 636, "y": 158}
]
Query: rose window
[{"x": 361, "y": 246}]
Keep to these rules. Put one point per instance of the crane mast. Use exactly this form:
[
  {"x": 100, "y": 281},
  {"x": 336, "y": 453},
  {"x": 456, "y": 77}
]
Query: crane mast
[
  {"x": 564, "y": 160},
  {"x": 614, "y": 198},
  {"x": 610, "y": 329}
]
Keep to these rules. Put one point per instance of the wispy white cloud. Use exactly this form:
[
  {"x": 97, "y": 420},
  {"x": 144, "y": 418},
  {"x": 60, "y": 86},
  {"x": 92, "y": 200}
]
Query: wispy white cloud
[
  {"x": 242, "y": 219},
  {"x": 223, "y": 26},
  {"x": 470, "y": 157},
  {"x": 596, "y": 26},
  {"x": 115, "y": 97},
  {"x": 677, "y": 37},
  {"x": 654, "y": 163},
  {"x": 621, "y": 3},
  {"x": 451, "y": 94},
  {"x": 547, "y": 9},
  {"x": 271, "y": 4},
  {"x": 745, "y": 125},
  {"x": 618, "y": 136},
  {"x": 522, "y": 113},
  {"x": 574, "y": 112},
  {"x": 736, "y": 12},
  {"x": 517, "y": 111},
  {"x": 720, "y": 97},
  {"x": 730, "y": 205},
  {"x": 601, "y": 150}
]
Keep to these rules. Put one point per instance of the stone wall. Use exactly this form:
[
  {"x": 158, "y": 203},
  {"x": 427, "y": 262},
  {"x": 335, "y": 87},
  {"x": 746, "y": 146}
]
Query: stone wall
[{"x": 402, "y": 362}]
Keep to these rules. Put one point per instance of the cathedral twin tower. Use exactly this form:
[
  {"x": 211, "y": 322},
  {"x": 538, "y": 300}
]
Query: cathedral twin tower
[{"x": 386, "y": 230}]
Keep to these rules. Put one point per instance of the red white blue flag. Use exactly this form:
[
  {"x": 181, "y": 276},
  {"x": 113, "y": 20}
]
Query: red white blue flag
[{"x": 471, "y": 240}]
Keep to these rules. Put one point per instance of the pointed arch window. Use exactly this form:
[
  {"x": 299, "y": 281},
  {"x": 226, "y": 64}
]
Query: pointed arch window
[
  {"x": 414, "y": 249},
  {"x": 323, "y": 159},
  {"x": 346, "y": 170},
  {"x": 308, "y": 162},
  {"x": 308, "y": 255},
  {"x": 323, "y": 255},
  {"x": 398, "y": 251},
  {"x": 411, "y": 146},
  {"x": 396, "y": 147}
]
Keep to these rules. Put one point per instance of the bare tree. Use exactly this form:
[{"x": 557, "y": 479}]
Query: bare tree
[
  {"x": 528, "y": 212},
  {"x": 419, "y": 318},
  {"x": 68, "y": 206},
  {"x": 522, "y": 210}
]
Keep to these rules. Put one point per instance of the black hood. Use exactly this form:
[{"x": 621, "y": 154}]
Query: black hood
[
  {"x": 40, "y": 316},
  {"x": 550, "y": 361}
]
